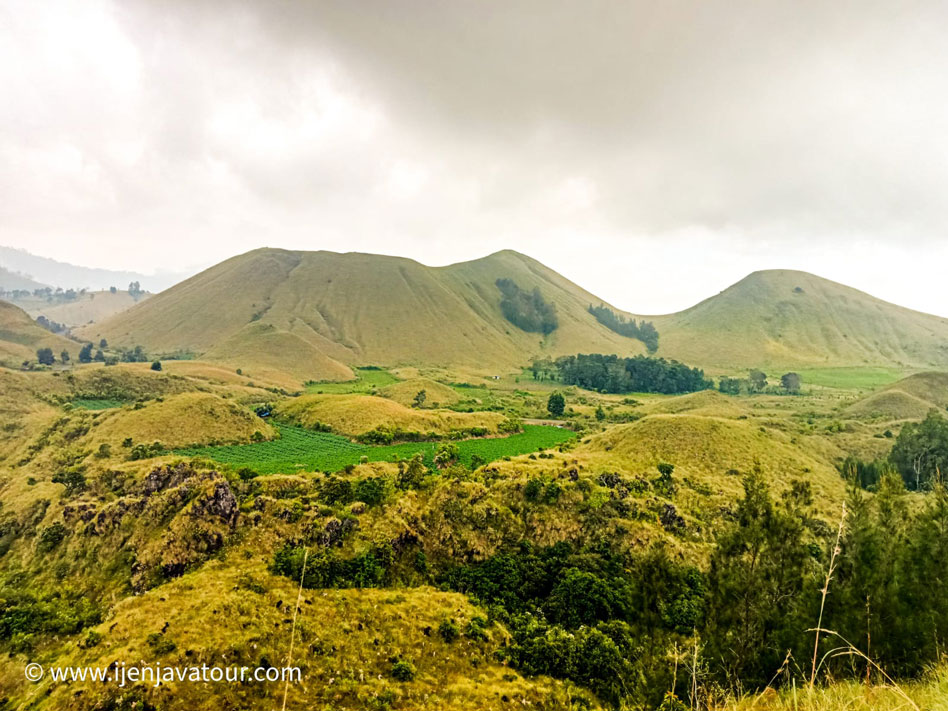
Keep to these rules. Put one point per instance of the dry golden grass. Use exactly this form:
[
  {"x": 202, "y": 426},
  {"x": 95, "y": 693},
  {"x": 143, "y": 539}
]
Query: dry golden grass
[
  {"x": 713, "y": 451},
  {"x": 436, "y": 394},
  {"x": 930, "y": 694},
  {"x": 890, "y": 404},
  {"x": 355, "y": 414},
  {"x": 181, "y": 420}
]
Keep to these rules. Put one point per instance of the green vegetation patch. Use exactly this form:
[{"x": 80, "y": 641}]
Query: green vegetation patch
[
  {"x": 369, "y": 378},
  {"x": 96, "y": 403},
  {"x": 298, "y": 448},
  {"x": 851, "y": 378}
]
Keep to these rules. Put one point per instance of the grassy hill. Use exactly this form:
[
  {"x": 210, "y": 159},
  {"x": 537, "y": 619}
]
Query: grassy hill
[
  {"x": 20, "y": 337},
  {"x": 357, "y": 414},
  {"x": 908, "y": 399},
  {"x": 784, "y": 318},
  {"x": 87, "y": 308},
  {"x": 317, "y": 313}
]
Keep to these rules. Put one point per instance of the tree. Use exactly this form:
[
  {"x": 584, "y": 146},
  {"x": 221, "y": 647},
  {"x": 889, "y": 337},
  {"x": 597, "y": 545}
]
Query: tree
[
  {"x": 135, "y": 289},
  {"x": 64, "y": 356},
  {"x": 99, "y": 355},
  {"x": 446, "y": 455},
  {"x": 156, "y": 365},
  {"x": 45, "y": 356},
  {"x": 556, "y": 404},
  {"x": 758, "y": 380},
  {"x": 600, "y": 413},
  {"x": 112, "y": 290},
  {"x": 412, "y": 474},
  {"x": 103, "y": 343},
  {"x": 921, "y": 451},
  {"x": 420, "y": 398},
  {"x": 759, "y": 572},
  {"x": 791, "y": 382},
  {"x": 85, "y": 353}
]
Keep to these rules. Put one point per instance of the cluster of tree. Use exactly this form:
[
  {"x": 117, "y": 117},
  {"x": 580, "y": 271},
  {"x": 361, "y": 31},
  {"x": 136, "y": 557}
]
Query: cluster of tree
[
  {"x": 86, "y": 355},
  {"x": 756, "y": 382},
  {"x": 59, "y": 294},
  {"x": 919, "y": 456},
  {"x": 527, "y": 310},
  {"x": 51, "y": 326},
  {"x": 45, "y": 356},
  {"x": 612, "y": 374},
  {"x": 644, "y": 331},
  {"x": 134, "y": 290}
]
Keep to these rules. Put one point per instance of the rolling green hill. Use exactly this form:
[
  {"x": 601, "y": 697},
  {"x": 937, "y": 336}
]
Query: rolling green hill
[
  {"x": 315, "y": 314},
  {"x": 908, "y": 399},
  {"x": 784, "y": 318},
  {"x": 20, "y": 337}
]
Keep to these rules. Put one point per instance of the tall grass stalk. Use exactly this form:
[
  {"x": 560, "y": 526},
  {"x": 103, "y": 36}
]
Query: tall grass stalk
[
  {"x": 299, "y": 599},
  {"x": 825, "y": 592}
]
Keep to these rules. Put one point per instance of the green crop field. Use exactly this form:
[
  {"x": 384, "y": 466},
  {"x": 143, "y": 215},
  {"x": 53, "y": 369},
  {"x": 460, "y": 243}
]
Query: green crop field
[
  {"x": 97, "y": 403},
  {"x": 301, "y": 449},
  {"x": 854, "y": 378},
  {"x": 368, "y": 379}
]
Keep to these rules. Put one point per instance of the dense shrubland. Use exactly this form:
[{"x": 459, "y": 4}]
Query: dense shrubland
[{"x": 612, "y": 621}]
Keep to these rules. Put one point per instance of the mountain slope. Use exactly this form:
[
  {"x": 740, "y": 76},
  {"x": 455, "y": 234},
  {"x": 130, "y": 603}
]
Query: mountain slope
[
  {"x": 316, "y": 313},
  {"x": 20, "y": 337},
  {"x": 785, "y": 318},
  {"x": 11, "y": 281}
]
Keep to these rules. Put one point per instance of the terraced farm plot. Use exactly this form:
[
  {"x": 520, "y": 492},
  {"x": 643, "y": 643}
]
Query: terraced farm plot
[
  {"x": 301, "y": 449},
  {"x": 368, "y": 379}
]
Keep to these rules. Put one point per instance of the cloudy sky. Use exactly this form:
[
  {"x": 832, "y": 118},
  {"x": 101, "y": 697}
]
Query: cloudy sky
[{"x": 653, "y": 152}]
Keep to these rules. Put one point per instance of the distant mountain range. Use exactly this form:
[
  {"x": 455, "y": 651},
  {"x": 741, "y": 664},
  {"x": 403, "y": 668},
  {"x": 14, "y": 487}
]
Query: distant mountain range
[
  {"x": 18, "y": 266},
  {"x": 315, "y": 314}
]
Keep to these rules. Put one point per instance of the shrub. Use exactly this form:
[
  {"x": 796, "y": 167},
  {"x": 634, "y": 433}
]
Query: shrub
[
  {"x": 448, "y": 630},
  {"x": 51, "y": 537},
  {"x": 403, "y": 670}
]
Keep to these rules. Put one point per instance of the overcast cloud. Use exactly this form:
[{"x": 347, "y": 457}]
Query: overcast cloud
[{"x": 653, "y": 152}]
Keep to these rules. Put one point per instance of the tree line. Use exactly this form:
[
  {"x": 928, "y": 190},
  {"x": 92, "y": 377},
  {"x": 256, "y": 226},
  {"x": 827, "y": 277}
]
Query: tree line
[
  {"x": 612, "y": 374},
  {"x": 644, "y": 331}
]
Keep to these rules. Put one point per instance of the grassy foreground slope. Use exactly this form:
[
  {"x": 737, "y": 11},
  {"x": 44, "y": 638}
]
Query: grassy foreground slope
[
  {"x": 785, "y": 318},
  {"x": 316, "y": 313}
]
